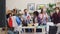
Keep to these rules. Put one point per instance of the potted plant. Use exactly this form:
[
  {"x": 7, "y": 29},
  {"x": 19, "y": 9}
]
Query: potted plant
[{"x": 50, "y": 8}]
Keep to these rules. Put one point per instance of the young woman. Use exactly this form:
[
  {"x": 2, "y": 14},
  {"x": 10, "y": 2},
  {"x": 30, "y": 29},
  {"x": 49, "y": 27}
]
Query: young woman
[
  {"x": 10, "y": 24},
  {"x": 36, "y": 18},
  {"x": 10, "y": 20},
  {"x": 43, "y": 16}
]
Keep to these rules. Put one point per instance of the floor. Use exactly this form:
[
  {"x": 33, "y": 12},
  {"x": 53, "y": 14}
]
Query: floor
[{"x": 2, "y": 32}]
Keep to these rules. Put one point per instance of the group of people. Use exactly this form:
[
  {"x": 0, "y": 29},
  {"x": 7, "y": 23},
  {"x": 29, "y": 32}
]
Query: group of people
[{"x": 41, "y": 18}]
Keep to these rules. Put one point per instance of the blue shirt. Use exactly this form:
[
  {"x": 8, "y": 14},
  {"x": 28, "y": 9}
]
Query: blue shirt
[{"x": 18, "y": 20}]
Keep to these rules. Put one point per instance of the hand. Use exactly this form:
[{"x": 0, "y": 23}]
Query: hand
[{"x": 28, "y": 17}]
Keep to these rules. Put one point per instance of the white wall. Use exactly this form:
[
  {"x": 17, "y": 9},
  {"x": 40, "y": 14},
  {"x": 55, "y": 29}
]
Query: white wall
[{"x": 21, "y": 4}]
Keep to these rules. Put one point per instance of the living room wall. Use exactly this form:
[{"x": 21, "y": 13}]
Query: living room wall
[{"x": 22, "y": 4}]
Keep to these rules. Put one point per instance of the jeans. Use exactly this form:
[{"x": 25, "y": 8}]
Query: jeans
[
  {"x": 58, "y": 30},
  {"x": 10, "y": 32}
]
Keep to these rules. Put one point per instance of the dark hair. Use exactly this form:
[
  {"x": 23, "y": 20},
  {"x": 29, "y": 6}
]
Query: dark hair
[
  {"x": 36, "y": 13},
  {"x": 8, "y": 15},
  {"x": 14, "y": 9},
  {"x": 25, "y": 9},
  {"x": 41, "y": 11},
  {"x": 57, "y": 8},
  {"x": 14, "y": 14}
]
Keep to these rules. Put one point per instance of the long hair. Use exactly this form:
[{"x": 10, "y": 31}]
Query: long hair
[{"x": 41, "y": 11}]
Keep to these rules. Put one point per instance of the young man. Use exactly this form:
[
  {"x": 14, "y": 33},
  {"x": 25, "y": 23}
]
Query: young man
[
  {"x": 56, "y": 18},
  {"x": 26, "y": 17}
]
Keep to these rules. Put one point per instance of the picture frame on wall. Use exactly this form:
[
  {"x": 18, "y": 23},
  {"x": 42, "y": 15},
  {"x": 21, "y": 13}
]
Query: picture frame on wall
[
  {"x": 31, "y": 6},
  {"x": 39, "y": 6}
]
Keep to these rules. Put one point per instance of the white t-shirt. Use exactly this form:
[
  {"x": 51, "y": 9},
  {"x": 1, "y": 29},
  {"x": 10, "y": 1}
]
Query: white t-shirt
[{"x": 14, "y": 21}]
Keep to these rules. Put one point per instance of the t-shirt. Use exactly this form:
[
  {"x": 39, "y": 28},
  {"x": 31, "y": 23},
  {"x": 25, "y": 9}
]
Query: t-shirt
[
  {"x": 26, "y": 18},
  {"x": 14, "y": 21}
]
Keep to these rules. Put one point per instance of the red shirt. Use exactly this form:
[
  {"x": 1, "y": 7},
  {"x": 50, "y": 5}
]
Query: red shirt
[{"x": 10, "y": 22}]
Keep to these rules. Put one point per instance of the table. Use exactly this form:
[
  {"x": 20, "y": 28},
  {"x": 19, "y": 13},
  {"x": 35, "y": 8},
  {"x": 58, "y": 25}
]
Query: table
[
  {"x": 43, "y": 29},
  {"x": 27, "y": 28},
  {"x": 34, "y": 27}
]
